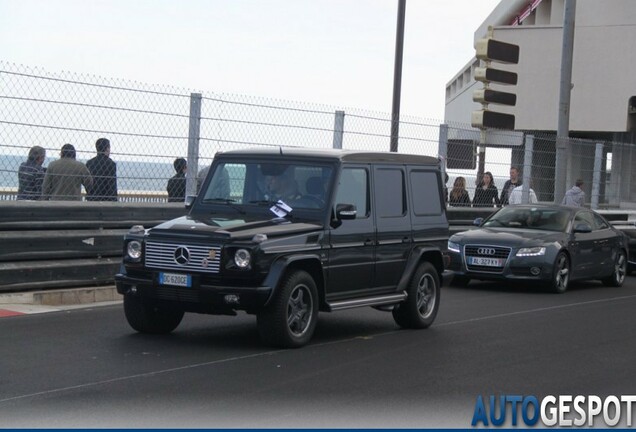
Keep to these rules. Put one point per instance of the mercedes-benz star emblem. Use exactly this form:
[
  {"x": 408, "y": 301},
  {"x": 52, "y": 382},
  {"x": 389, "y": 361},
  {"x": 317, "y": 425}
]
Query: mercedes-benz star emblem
[
  {"x": 182, "y": 255},
  {"x": 486, "y": 251}
]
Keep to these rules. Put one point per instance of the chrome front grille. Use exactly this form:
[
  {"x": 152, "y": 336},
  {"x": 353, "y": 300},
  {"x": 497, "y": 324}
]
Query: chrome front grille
[
  {"x": 484, "y": 251},
  {"x": 200, "y": 258}
]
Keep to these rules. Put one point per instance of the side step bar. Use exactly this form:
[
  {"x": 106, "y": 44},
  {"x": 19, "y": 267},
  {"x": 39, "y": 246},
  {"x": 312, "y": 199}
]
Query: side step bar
[{"x": 368, "y": 301}]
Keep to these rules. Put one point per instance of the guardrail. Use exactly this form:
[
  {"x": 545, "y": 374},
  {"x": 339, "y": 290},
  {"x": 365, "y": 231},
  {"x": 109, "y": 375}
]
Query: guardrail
[{"x": 56, "y": 244}]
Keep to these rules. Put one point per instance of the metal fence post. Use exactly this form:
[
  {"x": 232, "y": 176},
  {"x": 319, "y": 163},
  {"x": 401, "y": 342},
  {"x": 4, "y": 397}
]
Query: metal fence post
[
  {"x": 596, "y": 177},
  {"x": 194, "y": 133},
  {"x": 442, "y": 149},
  {"x": 338, "y": 129},
  {"x": 527, "y": 169}
]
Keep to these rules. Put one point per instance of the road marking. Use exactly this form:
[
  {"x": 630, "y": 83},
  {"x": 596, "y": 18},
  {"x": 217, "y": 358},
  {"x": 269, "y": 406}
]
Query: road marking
[
  {"x": 262, "y": 354},
  {"x": 530, "y": 311}
]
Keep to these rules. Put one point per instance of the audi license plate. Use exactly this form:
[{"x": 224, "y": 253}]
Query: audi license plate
[
  {"x": 488, "y": 262},
  {"x": 182, "y": 280}
]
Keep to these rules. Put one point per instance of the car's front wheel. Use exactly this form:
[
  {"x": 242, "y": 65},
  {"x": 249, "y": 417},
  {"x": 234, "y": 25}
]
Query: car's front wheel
[
  {"x": 420, "y": 307},
  {"x": 290, "y": 319},
  {"x": 150, "y": 318},
  {"x": 620, "y": 270},
  {"x": 561, "y": 273}
]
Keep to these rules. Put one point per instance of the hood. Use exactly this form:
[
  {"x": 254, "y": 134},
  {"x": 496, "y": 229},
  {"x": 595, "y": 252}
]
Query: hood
[
  {"x": 575, "y": 191},
  {"x": 508, "y": 237},
  {"x": 232, "y": 228}
]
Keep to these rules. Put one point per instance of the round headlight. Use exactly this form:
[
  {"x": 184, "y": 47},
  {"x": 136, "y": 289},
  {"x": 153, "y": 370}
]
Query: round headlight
[
  {"x": 242, "y": 258},
  {"x": 134, "y": 249}
]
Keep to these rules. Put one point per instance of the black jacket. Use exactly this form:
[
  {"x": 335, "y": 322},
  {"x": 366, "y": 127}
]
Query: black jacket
[
  {"x": 177, "y": 188},
  {"x": 486, "y": 197},
  {"x": 463, "y": 200},
  {"x": 104, "y": 172}
]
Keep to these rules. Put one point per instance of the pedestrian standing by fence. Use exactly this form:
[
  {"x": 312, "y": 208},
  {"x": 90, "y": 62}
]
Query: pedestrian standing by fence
[
  {"x": 104, "y": 172},
  {"x": 486, "y": 194},
  {"x": 575, "y": 197},
  {"x": 64, "y": 177},
  {"x": 458, "y": 196},
  {"x": 31, "y": 175},
  {"x": 517, "y": 194},
  {"x": 510, "y": 185},
  {"x": 177, "y": 184}
]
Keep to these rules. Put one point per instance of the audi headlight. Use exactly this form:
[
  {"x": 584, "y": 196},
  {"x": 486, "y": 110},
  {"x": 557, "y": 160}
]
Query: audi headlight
[
  {"x": 242, "y": 258},
  {"x": 453, "y": 247},
  {"x": 533, "y": 251},
  {"x": 134, "y": 249}
]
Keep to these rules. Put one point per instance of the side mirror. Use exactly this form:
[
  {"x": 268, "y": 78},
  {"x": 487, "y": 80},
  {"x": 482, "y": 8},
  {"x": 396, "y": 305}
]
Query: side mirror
[
  {"x": 346, "y": 211},
  {"x": 190, "y": 200},
  {"x": 478, "y": 221},
  {"x": 582, "y": 228}
]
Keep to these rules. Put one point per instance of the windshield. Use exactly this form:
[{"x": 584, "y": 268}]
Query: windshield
[
  {"x": 546, "y": 219},
  {"x": 298, "y": 185}
]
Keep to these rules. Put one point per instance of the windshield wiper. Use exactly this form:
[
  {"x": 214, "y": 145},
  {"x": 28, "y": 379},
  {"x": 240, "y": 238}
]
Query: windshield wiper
[
  {"x": 229, "y": 202},
  {"x": 263, "y": 202}
]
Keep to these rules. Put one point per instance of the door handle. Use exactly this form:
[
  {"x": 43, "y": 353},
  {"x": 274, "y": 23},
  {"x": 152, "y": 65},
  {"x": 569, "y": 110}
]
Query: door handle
[
  {"x": 369, "y": 242},
  {"x": 406, "y": 239}
]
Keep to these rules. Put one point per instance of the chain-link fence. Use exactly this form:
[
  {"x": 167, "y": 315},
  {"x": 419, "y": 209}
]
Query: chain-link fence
[{"x": 149, "y": 128}]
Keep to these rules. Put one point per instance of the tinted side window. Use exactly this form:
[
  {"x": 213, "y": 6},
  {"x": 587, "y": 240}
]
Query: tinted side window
[
  {"x": 389, "y": 190},
  {"x": 584, "y": 217},
  {"x": 353, "y": 189},
  {"x": 600, "y": 222},
  {"x": 425, "y": 193}
]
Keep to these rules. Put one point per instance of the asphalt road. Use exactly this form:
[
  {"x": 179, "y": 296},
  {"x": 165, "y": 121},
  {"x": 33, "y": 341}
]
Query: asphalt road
[{"x": 87, "y": 368}]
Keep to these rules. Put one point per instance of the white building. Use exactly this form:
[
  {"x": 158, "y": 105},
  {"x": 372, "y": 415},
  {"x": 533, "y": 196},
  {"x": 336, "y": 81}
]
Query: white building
[{"x": 603, "y": 98}]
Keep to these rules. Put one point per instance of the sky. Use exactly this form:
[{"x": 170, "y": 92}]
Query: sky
[{"x": 332, "y": 52}]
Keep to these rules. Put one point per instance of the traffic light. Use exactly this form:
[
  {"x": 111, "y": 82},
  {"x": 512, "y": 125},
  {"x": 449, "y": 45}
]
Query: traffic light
[
  {"x": 497, "y": 51},
  {"x": 486, "y": 96},
  {"x": 491, "y": 50},
  {"x": 492, "y": 119}
]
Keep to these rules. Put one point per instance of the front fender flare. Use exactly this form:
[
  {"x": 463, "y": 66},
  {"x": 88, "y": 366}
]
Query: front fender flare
[{"x": 279, "y": 267}]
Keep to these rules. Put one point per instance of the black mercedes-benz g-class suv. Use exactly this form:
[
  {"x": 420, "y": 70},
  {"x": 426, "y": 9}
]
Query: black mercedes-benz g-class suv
[{"x": 286, "y": 233}]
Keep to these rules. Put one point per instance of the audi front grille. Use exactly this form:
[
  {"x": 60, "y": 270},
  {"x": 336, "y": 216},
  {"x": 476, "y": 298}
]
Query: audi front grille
[{"x": 485, "y": 251}]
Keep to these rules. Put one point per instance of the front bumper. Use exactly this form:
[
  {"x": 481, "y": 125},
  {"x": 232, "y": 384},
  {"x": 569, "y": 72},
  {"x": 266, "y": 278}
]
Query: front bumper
[
  {"x": 201, "y": 297},
  {"x": 516, "y": 268}
]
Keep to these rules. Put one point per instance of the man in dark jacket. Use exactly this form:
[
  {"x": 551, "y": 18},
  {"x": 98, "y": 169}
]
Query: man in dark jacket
[
  {"x": 510, "y": 185},
  {"x": 177, "y": 184},
  {"x": 104, "y": 172}
]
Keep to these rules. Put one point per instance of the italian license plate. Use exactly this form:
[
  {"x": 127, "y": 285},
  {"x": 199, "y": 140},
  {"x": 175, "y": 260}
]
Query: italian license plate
[
  {"x": 488, "y": 262},
  {"x": 176, "y": 279}
]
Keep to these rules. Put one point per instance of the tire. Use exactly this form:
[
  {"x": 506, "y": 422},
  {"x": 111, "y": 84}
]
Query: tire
[
  {"x": 150, "y": 318},
  {"x": 460, "y": 281},
  {"x": 420, "y": 307},
  {"x": 620, "y": 271},
  {"x": 290, "y": 319},
  {"x": 560, "y": 273}
]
